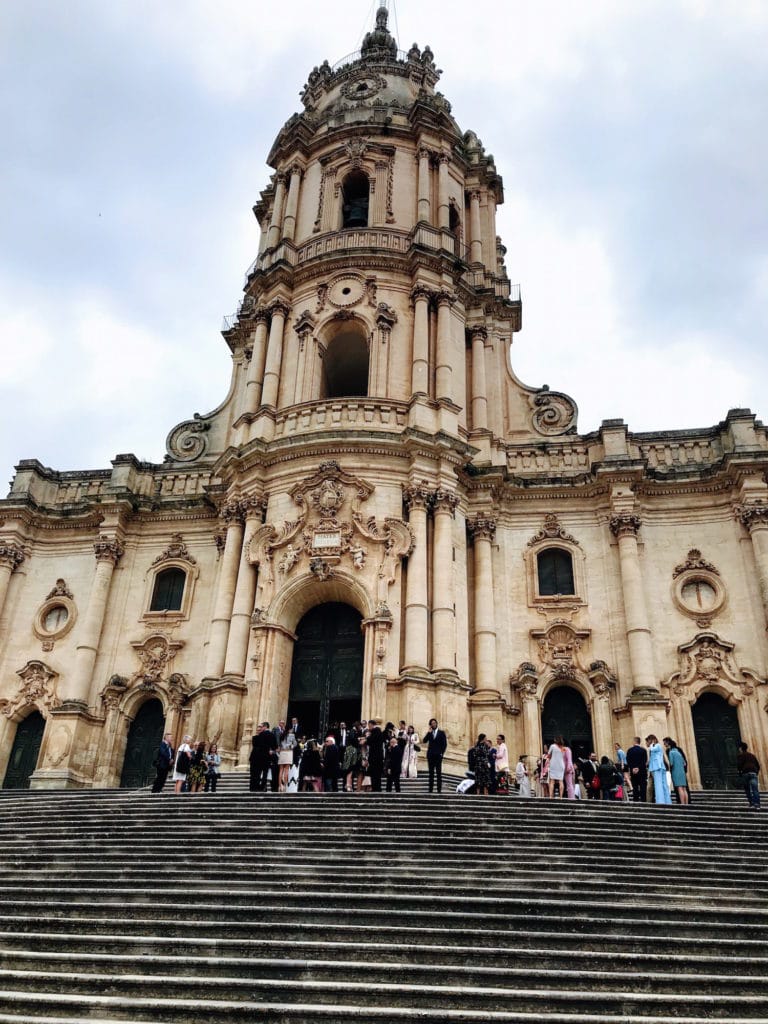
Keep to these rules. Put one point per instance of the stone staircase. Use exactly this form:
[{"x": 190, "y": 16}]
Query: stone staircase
[{"x": 133, "y": 907}]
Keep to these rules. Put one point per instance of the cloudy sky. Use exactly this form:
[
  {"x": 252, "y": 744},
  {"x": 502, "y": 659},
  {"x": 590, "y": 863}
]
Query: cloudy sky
[{"x": 631, "y": 135}]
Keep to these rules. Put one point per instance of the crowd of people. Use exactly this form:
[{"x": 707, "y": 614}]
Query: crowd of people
[
  {"x": 356, "y": 758},
  {"x": 365, "y": 757}
]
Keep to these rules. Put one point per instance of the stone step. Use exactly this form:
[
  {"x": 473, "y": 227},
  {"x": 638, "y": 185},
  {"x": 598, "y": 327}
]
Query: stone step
[
  {"x": 234, "y": 990},
  {"x": 522, "y": 949},
  {"x": 193, "y": 972}
]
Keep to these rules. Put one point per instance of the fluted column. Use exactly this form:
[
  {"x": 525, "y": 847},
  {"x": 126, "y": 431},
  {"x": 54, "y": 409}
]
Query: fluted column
[
  {"x": 444, "y": 362},
  {"x": 475, "y": 231},
  {"x": 245, "y": 593},
  {"x": 108, "y": 551},
  {"x": 443, "y": 610},
  {"x": 225, "y": 592},
  {"x": 755, "y": 519},
  {"x": 11, "y": 557},
  {"x": 424, "y": 212},
  {"x": 276, "y": 224},
  {"x": 279, "y": 311},
  {"x": 443, "y": 211},
  {"x": 479, "y": 390},
  {"x": 292, "y": 203},
  {"x": 482, "y": 528},
  {"x": 420, "y": 364},
  {"x": 417, "y": 499},
  {"x": 625, "y": 526},
  {"x": 255, "y": 376}
]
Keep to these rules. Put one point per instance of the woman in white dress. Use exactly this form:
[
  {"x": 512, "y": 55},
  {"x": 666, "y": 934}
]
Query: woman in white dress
[
  {"x": 521, "y": 777},
  {"x": 181, "y": 770},
  {"x": 557, "y": 767},
  {"x": 410, "y": 754},
  {"x": 287, "y": 746}
]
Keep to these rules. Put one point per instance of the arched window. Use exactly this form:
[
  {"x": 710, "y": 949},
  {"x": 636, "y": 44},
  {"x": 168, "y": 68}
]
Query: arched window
[
  {"x": 355, "y": 193},
  {"x": 345, "y": 366},
  {"x": 555, "y": 569},
  {"x": 168, "y": 590}
]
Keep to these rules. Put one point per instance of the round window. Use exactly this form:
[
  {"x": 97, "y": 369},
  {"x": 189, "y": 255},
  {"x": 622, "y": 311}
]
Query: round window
[
  {"x": 699, "y": 596},
  {"x": 55, "y": 618}
]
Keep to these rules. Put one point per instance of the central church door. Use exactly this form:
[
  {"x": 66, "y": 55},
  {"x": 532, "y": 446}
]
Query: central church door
[
  {"x": 565, "y": 714},
  {"x": 716, "y": 727},
  {"x": 327, "y": 672},
  {"x": 144, "y": 738}
]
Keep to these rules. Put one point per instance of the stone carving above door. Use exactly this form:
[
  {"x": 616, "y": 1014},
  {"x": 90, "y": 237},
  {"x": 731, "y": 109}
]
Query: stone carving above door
[
  {"x": 706, "y": 661},
  {"x": 331, "y": 534},
  {"x": 37, "y": 687}
]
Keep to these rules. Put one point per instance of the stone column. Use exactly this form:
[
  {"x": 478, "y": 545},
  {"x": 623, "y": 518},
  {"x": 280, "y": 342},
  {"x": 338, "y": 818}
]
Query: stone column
[
  {"x": 108, "y": 551},
  {"x": 443, "y": 211},
  {"x": 245, "y": 593},
  {"x": 443, "y": 611},
  {"x": 255, "y": 376},
  {"x": 276, "y": 224},
  {"x": 755, "y": 519},
  {"x": 11, "y": 557},
  {"x": 418, "y": 498},
  {"x": 475, "y": 232},
  {"x": 292, "y": 204},
  {"x": 527, "y": 685},
  {"x": 625, "y": 526},
  {"x": 424, "y": 202},
  {"x": 225, "y": 592},
  {"x": 279, "y": 310},
  {"x": 444, "y": 361},
  {"x": 479, "y": 390},
  {"x": 482, "y": 528},
  {"x": 386, "y": 318},
  {"x": 420, "y": 364}
]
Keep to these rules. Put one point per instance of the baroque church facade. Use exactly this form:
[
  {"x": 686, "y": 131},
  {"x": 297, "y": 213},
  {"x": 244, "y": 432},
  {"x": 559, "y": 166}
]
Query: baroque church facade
[{"x": 380, "y": 518}]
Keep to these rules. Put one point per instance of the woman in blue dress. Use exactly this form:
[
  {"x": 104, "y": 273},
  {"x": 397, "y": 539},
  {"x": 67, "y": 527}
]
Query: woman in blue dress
[
  {"x": 657, "y": 769},
  {"x": 677, "y": 770}
]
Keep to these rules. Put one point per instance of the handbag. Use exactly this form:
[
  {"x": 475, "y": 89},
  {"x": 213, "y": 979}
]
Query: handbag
[
  {"x": 416, "y": 747},
  {"x": 183, "y": 762}
]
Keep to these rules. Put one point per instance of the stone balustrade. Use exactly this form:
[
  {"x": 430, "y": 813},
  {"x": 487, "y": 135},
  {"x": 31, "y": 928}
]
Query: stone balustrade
[{"x": 350, "y": 413}]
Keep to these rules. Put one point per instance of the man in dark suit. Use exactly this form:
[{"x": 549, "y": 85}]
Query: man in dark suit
[
  {"x": 375, "y": 755},
  {"x": 262, "y": 747},
  {"x": 331, "y": 765},
  {"x": 163, "y": 763},
  {"x": 343, "y": 737},
  {"x": 437, "y": 744},
  {"x": 637, "y": 766}
]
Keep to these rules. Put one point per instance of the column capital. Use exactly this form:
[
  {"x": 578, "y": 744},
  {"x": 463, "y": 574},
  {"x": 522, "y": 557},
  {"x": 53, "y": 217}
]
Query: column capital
[
  {"x": 482, "y": 526},
  {"x": 423, "y": 153},
  {"x": 11, "y": 554},
  {"x": 259, "y": 315},
  {"x": 252, "y": 507},
  {"x": 386, "y": 316},
  {"x": 280, "y": 177},
  {"x": 443, "y": 158},
  {"x": 295, "y": 169},
  {"x": 474, "y": 193},
  {"x": 418, "y": 495},
  {"x": 625, "y": 524},
  {"x": 108, "y": 549},
  {"x": 526, "y": 681},
  {"x": 279, "y": 307},
  {"x": 421, "y": 291},
  {"x": 445, "y": 501},
  {"x": 445, "y": 297},
  {"x": 478, "y": 331},
  {"x": 231, "y": 512},
  {"x": 752, "y": 517}
]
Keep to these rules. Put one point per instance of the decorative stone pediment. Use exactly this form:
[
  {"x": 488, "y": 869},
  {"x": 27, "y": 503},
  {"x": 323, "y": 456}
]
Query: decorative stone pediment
[
  {"x": 553, "y": 413},
  {"x": 37, "y": 687},
  {"x": 155, "y": 654},
  {"x": 560, "y": 643},
  {"x": 551, "y": 530},
  {"x": 175, "y": 552},
  {"x": 707, "y": 660}
]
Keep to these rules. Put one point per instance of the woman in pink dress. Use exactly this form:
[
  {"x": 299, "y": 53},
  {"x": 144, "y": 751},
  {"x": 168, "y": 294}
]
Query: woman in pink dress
[{"x": 569, "y": 771}]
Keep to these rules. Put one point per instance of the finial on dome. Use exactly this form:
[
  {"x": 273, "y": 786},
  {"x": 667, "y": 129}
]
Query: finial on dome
[{"x": 380, "y": 42}]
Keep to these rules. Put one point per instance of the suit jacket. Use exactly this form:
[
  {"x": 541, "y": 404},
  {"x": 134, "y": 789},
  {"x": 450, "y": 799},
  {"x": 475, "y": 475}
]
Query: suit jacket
[
  {"x": 165, "y": 755},
  {"x": 262, "y": 745},
  {"x": 342, "y": 742},
  {"x": 637, "y": 757},
  {"x": 376, "y": 749},
  {"x": 437, "y": 744}
]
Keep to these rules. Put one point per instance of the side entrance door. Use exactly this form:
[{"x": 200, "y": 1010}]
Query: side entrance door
[
  {"x": 26, "y": 750},
  {"x": 144, "y": 737}
]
